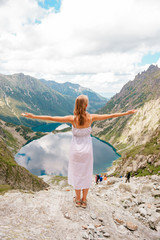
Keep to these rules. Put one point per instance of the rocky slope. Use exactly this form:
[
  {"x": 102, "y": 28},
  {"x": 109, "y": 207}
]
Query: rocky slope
[
  {"x": 116, "y": 210},
  {"x": 12, "y": 138},
  {"x": 15, "y": 136},
  {"x": 143, "y": 94},
  {"x": 142, "y": 159},
  {"x": 15, "y": 176}
]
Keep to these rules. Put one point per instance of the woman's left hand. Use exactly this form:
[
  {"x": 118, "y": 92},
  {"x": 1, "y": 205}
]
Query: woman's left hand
[{"x": 132, "y": 111}]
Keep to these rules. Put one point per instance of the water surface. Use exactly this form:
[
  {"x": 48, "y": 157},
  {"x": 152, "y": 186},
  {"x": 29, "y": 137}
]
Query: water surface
[{"x": 50, "y": 155}]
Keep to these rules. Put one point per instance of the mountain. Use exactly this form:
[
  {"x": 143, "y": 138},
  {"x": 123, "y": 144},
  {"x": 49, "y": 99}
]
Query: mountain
[
  {"x": 72, "y": 90},
  {"x": 21, "y": 93},
  {"x": 141, "y": 160},
  {"x": 143, "y": 94},
  {"x": 13, "y": 175}
]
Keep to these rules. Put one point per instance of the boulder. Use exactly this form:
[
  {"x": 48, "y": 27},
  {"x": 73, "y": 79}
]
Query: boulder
[{"x": 156, "y": 164}]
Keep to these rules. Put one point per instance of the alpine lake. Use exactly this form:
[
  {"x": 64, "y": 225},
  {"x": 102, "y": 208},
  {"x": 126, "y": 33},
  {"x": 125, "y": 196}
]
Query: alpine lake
[{"x": 49, "y": 155}]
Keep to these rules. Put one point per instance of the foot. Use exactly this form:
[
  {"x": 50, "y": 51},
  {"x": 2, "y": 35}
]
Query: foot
[
  {"x": 84, "y": 203},
  {"x": 77, "y": 202}
]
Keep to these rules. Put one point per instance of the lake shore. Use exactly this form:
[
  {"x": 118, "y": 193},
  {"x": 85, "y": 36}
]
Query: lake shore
[{"x": 116, "y": 210}]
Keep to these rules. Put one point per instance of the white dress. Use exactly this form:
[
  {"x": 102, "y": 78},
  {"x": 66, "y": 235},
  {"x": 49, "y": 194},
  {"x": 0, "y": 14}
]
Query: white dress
[{"x": 80, "y": 168}]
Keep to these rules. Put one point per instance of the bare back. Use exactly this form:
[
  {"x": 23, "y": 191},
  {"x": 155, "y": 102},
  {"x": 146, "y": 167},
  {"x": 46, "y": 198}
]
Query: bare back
[{"x": 87, "y": 121}]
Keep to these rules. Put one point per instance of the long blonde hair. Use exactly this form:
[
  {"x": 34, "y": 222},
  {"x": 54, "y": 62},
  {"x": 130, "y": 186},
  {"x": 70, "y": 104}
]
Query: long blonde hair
[{"x": 80, "y": 108}]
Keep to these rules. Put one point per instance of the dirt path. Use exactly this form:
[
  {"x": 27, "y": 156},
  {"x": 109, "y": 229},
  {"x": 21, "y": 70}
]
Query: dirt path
[{"x": 51, "y": 214}]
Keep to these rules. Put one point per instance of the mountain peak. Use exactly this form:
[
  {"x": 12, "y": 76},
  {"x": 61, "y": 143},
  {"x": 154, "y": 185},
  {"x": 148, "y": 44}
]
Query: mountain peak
[{"x": 152, "y": 68}]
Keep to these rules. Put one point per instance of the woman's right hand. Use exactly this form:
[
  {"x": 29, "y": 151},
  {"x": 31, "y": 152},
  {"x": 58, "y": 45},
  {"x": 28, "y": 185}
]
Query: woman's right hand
[{"x": 28, "y": 115}]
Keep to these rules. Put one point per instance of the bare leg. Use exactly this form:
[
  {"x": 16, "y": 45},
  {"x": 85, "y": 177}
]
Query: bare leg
[
  {"x": 85, "y": 192},
  {"x": 78, "y": 195}
]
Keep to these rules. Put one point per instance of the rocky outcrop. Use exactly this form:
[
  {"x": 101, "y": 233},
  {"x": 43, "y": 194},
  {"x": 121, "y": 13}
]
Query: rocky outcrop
[{"x": 133, "y": 164}]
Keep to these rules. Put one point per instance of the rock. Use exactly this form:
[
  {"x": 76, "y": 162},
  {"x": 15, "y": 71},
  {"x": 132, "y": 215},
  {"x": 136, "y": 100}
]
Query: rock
[
  {"x": 91, "y": 237},
  {"x": 156, "y": 164},
  {"x": 125, "y": 187},
  {"x": 106, "y": 234},
  {"x": 140, "y": 200},
  {"x": 146, "y": 189},
  {"x": 119, "y": 221},
  {"x": 131, "y": 226},
  {"x": 158, "y": 210},
  {"x": 100, "y": 219},
  {"x": 93, "y": 216},
  {"x": 134, "y": 195},
  {"x": 84, "y": 227},
  {"x": 156, "y": 193},
  {"x": 85, "y": 235},
  {"x": 127, "y": 204},
  {"x": 91, "y": 226},
  {"x": 143, "y": 212},
  {"x": 66, "y": 216},
  {"x": 152, "y": 225},
  {"x": 97, "y": 225}
]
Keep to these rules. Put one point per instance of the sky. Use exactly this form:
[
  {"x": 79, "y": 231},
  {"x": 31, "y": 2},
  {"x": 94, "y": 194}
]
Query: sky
[{"x": 100, "y": 44}]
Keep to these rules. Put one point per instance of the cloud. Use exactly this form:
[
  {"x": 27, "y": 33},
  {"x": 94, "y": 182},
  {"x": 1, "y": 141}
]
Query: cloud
[{"x": 98, "y": 44}]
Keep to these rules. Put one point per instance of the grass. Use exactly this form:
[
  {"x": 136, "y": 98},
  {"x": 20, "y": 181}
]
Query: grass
[
  {"x": 149, "y": 170},
  {"x": 10, "y": 140},
  {"x": 4, "y": 188},
  {"x": 57, "y": 179}
]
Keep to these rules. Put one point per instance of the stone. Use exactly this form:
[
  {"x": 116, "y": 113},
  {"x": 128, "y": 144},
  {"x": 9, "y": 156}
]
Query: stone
[
  {"x": 131, "y": 226},
  {"x": 156, "y": 193},
  {"x": 119, "y": 221},
  {"x": 97, "y": 225},
  {"x": 100, "y": 219},
  {"x": 106, "y": 234},
  {"x": 91, "y": 226},
  {"x": 66, "y": 216},
  {"x": 143, "y": 212},
  {"x": 152, "y": 225},
  {"x": 85, "y": 235},
  {"x": 156, "y": 164},
  {"x": 127, "y": 204},
  {"x": 93, "y": 216},
  {"x": 84, "y": 227}
]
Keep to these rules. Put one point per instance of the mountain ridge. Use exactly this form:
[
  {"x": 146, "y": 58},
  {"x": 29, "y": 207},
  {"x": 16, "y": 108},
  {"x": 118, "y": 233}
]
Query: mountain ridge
[
  {"x": 143, "y": 94},
  {"x": 23, "y": 93}
]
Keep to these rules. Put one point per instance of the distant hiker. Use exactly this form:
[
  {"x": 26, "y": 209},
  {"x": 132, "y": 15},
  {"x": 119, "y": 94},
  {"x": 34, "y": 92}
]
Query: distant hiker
[
  {"x": 105, "y": 177},
  {"x": 97, "y": 178},
  {"x": 128, "y": 177},
  {"x": 80, "y": 167},
  {"x": 101, "y": 178}
]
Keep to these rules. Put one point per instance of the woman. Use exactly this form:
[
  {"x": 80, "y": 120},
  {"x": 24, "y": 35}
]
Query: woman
[{"x": 80, "y": 168}]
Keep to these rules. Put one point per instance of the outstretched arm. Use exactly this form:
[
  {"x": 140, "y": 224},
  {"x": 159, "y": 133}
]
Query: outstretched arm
[
  {"x": 98, "y": 117},
  {"x": 66, "y": 119}
]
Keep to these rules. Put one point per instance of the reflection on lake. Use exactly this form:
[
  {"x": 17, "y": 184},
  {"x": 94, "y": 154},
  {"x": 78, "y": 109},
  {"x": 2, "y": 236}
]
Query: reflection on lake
[{"x": 50, "y": 155}]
